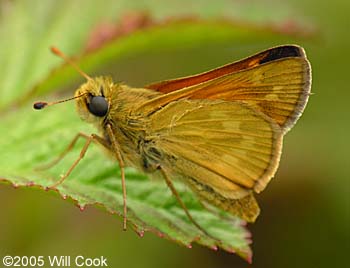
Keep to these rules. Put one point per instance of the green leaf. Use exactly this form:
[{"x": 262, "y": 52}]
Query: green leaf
[
  {"x": 30, "y": 138},
  {"x": 39, "y": 137}
]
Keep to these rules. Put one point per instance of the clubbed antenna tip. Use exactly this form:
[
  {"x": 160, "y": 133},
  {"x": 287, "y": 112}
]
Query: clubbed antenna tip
[{"x": 39, "y": 105}]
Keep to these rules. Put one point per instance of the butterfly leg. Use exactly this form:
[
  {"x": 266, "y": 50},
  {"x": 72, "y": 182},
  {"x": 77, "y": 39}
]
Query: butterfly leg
[
  {"x": 97, "y": 139},
  {"x": 182, "y": 204},
  {"x": 89, "y": 139},
  {"x": 65, "y": 152},
  {"x": 116, "y": 149}
]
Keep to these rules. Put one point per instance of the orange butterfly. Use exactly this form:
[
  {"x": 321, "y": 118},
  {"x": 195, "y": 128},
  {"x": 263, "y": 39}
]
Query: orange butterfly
[{"x": 220, "y": 132}]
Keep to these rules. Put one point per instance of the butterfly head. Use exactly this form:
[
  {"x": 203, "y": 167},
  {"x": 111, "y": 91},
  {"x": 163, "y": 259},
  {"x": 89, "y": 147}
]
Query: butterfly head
[{"x": 93, "y": 99}]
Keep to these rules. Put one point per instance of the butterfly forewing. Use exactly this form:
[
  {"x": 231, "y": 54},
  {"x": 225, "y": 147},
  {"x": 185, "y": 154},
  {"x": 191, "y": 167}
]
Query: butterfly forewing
[
  {"x": 276, "y": 89},
  {"x": 252, "y": 61},
  {"x": 275, "y": 82}
]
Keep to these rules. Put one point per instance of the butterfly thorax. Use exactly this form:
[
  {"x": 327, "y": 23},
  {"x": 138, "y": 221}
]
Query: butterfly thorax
[{"x": 128, "y": 126}]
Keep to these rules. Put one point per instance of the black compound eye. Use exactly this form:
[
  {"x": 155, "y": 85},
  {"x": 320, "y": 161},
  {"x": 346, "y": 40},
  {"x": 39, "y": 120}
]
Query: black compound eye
[{"x": 98, "y": 106}]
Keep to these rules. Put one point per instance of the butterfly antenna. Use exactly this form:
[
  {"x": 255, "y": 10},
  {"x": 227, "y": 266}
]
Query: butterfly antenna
[
  {"x": 59, "y": 53},
  {"x": 41, "y": 105}
]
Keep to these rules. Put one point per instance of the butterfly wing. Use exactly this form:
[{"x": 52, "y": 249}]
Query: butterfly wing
[
  {"x": 276, "y": 82},
  {"x": 252, "y": 61},
  {"x": 222, "y": 130},
  {"x": 227, "y": 147}
]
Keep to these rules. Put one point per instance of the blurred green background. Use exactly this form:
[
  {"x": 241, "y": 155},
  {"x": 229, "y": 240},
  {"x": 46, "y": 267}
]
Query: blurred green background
[{"x": 305, "y": 209}]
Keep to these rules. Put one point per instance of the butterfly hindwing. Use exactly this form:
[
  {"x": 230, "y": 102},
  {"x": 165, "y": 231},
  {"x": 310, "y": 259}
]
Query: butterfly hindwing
[{"x": 228, "y": 146}]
